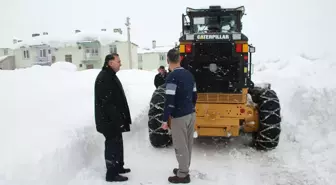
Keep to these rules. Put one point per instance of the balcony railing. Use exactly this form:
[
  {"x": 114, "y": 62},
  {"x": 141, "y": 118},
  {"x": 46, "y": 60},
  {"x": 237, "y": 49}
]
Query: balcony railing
[
  {"x": 43, "y": 61},
  {"x": 91, "y": 56}
]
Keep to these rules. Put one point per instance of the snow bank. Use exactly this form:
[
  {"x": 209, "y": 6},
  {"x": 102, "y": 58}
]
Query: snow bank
[
  {"x": 67, "y": 66},
  {"x": 48, "y": 136},
  {"x": 307, "y": 93},
  {"x": 47, "y": 130}
]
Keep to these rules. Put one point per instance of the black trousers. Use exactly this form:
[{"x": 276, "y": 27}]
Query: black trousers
[{"x": 114, "y": 154}]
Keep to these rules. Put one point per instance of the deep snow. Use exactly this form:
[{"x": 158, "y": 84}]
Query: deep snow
[{"x": 47, "y": 131}]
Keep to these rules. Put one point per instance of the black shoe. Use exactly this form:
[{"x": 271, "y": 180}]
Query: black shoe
[
  {"x": 124, "y": 170},
  {"x": 175, "y": 171},
  {"x": 176, "y": 180},
  {"x": 117, "y": 178}
]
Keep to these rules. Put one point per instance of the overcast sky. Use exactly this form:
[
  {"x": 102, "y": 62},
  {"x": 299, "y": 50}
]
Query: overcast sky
[{"x": 275, "y": 27}]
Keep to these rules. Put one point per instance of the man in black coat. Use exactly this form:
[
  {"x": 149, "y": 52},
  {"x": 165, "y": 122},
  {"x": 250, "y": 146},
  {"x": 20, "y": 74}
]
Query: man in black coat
[
  {"x": 112, "y": 117},
  {"x": 160, "y": 78}
]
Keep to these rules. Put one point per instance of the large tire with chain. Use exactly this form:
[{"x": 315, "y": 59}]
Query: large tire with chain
[
  {"x": 158, "y": 137},
  {"x": 268, "y": 135}
]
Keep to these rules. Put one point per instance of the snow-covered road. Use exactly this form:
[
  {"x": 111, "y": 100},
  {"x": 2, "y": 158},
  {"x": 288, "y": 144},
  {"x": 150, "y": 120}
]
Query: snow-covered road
[
  {"x": 48, "y": 134},
  {"x": 214, "y": 161}
]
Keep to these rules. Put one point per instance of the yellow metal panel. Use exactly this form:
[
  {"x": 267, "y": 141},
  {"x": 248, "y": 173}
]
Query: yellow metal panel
[
  {"x": 218, "y": 132},
  {"x": 182, "y": 48},
  {"x": 216, "y": 123},
  {"x": 245, "y": 69},
  {"x": 245, "y": 48},
  {"x": 220, "y": 98},
  {"x": 224, "y": 111},
  {"x": 225, "y": 119}
]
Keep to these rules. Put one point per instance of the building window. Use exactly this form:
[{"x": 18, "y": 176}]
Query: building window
[
  {"x": 92, "y": 51},
  {"x": 162, "y": 57},
  {"x": 5, "y": 51},
  {"x": 49, "y": 51},
  {"x": 43, "y": 53},
  {"x": 89, "y": 66},
  {"x": 26, "y": 54},
  {"x": 68, "y": 58},
  {"x": 113, "y": 49}
]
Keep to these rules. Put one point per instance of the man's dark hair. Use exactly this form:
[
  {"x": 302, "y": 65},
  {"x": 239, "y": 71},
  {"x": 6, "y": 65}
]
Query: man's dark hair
[
  {"x": 110, "y": 57},
  {"x": 161, "y": 67},
  {"x": 173, "y": 56}
]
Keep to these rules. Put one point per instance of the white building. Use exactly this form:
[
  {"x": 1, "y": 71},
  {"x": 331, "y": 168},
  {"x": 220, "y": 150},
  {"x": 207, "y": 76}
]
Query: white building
[
  {"x": 7, "y": 59},
  {"x": 87, "y": 50},
  {"x": 151, "y": 59},
  {"x": 6, "y": 52}
]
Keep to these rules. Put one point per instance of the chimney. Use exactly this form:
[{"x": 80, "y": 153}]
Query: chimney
[
  {"x": 19, "y": 41},
  {"x": 77, "y": 31},
  {"x": 154, "y": 44},
  {"x": 103, "y": 29},
  {"x": 117, "y": 30},
  {"x": 15, "y": 41},
  {"x": 35, "y": 34},
  {"x": 45, "y": 33}
]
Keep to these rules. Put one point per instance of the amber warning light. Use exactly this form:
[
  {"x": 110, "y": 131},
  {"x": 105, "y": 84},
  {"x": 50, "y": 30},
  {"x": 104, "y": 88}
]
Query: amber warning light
[{"x": 185, "y": 48}]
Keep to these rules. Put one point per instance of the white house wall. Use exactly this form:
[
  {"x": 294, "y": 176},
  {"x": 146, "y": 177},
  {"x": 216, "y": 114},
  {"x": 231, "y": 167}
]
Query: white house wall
[
  {"x": 105, "y": 50},
  {"x": 122, "y": 50},
  {"x": 34, "y": 56},
  {"x": 135, "y": 63},
  {"x": 77, "y": 55},
  {"x": 20, "y": 61},
  {"x": 6, "y": 51},
  {"x": 152, "y": 61}
]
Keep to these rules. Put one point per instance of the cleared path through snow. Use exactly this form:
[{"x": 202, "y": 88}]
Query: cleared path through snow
[{"x": 220, "y": 161}]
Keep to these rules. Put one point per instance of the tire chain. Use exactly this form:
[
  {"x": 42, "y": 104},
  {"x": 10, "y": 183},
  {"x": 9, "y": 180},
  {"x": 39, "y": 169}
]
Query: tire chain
[
  {"x": 157, "y": 116},
  {"x": 269, "y": 126}
]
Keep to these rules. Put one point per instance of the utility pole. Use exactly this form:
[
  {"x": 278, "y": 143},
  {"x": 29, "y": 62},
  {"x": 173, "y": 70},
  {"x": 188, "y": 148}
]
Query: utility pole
[{"x": 128, "y": 24}]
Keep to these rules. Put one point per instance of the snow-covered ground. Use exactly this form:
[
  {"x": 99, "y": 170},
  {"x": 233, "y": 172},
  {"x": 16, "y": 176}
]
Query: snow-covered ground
[{"x": 48, "y": 136}]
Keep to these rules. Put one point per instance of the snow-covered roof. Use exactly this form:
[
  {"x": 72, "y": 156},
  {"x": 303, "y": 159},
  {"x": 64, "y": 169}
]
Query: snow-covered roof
[
  {"x": 158, "y": 49},
  {"x": 104, "y": 37},
  {"x": 3, "y": 57}
]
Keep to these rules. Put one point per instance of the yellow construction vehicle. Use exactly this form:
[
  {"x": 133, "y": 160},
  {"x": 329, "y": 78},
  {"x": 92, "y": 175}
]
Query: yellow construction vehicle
[{"x": 214, "y": 49}]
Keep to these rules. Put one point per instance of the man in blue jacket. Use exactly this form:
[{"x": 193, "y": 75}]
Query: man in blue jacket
[{"x": 180, "y": 106}]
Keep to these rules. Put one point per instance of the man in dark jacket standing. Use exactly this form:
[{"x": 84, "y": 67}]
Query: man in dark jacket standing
[
  {"x": 112, "y": 116},
  {"x": 160, "y": 78}
]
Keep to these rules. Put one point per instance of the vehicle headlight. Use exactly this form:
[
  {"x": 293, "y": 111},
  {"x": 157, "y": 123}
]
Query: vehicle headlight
[{"x": 236, "y": 36}]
